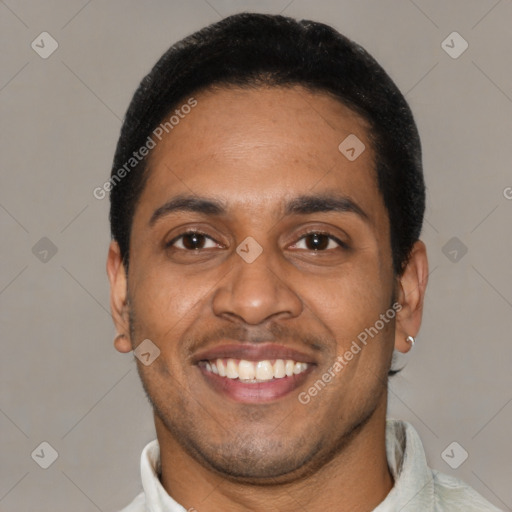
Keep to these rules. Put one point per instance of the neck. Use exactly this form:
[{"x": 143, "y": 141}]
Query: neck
[{"x": 357, "y": 479}]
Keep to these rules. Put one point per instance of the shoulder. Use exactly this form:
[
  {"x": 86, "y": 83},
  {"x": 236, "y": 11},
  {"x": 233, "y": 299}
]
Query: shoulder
[{"x": 453, "y": 495}]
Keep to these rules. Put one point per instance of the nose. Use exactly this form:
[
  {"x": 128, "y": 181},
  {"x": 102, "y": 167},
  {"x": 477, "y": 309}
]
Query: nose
[{"x": 254, "y": 292}]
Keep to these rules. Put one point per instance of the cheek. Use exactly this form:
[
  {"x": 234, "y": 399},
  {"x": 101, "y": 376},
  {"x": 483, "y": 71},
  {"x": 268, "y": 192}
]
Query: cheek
[
  {"x": 350, "y": 307},
  {"x": 351, "y": 299},
  {"x": 161, "y": 299}
]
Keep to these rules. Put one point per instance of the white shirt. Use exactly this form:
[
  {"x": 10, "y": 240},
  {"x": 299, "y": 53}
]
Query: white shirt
[{"x": 417, "y": 488}]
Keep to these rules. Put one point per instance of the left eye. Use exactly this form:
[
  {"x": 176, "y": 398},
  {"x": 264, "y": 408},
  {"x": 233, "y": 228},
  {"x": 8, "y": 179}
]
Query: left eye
[{"x": 319, "y": 242}]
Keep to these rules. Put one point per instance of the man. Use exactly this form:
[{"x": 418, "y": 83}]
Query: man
[{"x": 267, "y": 199}]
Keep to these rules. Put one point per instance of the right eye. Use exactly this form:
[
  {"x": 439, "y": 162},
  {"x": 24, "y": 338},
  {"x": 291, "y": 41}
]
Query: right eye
[{"x": 191, "y": 241}]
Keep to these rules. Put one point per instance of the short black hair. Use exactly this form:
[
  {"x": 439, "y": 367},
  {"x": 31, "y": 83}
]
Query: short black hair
[{"x": 251, "y": 49}]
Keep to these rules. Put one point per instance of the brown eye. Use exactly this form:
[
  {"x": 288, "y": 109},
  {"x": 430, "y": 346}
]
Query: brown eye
[
  {"x": 317, "y": 241},
  {"x": 191, "y": 241}
]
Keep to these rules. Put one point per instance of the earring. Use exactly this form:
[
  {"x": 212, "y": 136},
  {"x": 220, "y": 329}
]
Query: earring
[{"x": 411, "y": 340}]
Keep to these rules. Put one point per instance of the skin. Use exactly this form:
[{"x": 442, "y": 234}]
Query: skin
[{"x": 256, "y": 149}]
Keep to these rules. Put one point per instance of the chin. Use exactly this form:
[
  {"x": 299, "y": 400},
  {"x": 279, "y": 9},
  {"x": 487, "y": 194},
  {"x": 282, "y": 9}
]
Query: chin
[{"x": 255, "y": 469}]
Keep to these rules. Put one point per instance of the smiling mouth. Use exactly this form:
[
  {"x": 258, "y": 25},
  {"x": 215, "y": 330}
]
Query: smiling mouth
[
  {"x": 254, "y": 382},
  {"x": 254, "y": 371}
]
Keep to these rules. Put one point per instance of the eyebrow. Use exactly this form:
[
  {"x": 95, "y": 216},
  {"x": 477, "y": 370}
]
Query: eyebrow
[
  {"x": 195, "y": 204},
  {"x": 301, "y": 205},
  {"x": 308, "y": 204}
]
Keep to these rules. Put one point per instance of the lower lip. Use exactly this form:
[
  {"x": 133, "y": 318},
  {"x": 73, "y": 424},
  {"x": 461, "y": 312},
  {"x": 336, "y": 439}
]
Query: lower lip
[{"x": 255, "y": 392}]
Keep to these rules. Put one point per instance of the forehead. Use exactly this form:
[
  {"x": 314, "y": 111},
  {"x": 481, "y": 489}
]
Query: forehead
[{"x": 259, "y": 146}]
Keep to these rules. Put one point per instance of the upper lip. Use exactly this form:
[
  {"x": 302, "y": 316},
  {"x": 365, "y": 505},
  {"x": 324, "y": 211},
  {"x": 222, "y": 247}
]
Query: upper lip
[{"x": 252, "y": 352}]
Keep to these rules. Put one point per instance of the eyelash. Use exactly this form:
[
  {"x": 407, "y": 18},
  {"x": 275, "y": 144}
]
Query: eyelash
[{"x": 169, "y": 244}]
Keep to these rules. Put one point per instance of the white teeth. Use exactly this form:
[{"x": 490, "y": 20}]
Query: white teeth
[
  {"x": 279, "y": 371},
  {"x": 299, "y": 368},
  {"x": 246, "y": 370},
  {"x": 221, "y": 367},
  {"x": 264, "y": 370},
  {"x": 255, "y": 370},
  {"x": 231, "y": 369}
]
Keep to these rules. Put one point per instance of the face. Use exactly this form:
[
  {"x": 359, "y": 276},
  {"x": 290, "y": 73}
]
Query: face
[{"x": 274, "y": 260}]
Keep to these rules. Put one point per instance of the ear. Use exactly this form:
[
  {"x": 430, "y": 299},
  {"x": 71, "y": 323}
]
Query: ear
[
  {"x": 411, "y": 293},
  {"x": 118, "y": 297}
]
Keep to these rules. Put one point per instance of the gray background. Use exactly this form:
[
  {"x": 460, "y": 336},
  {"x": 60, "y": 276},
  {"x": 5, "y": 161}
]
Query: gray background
[{"x": 61, "y": 380}]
